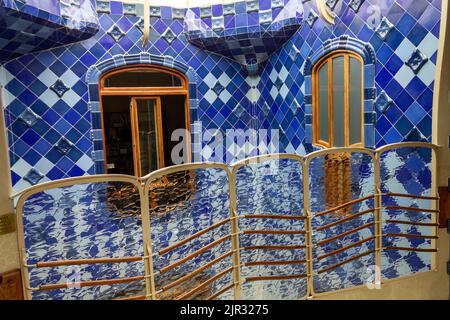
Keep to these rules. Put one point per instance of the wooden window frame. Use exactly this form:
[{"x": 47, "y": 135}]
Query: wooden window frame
[
  {"x": 328, "y": 59},
  {"x": 135, "y": 133},
  {"x": 146, "y": 93}
]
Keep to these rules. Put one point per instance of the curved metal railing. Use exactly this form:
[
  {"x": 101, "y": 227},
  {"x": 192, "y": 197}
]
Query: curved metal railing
[{"x": 307, "y": 223}]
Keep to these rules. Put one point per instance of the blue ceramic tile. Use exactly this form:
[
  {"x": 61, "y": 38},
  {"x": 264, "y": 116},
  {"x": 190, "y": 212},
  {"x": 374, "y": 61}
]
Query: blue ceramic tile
[
  {"x": 59, "y": 88},
  {"x": 384, "y": 28},
  {"x": 417, "y": 61}
]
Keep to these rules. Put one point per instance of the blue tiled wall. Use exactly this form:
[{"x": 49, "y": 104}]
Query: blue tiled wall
[
  {"x": 47, "y": 100},
  {"x": 403, "y": 97}
]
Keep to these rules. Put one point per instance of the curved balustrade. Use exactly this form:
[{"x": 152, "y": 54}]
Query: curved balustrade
[{"x": 269, "y": 227}]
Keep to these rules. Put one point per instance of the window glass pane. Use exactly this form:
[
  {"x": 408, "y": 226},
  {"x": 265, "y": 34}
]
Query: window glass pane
[
  {"x": 142, "y": 78},
  {"x": 338, "y": 102},
  {"x": 355, "y": 101},
  {"x": 146, "y": 116},
  {"x": 323, "y": 103}
]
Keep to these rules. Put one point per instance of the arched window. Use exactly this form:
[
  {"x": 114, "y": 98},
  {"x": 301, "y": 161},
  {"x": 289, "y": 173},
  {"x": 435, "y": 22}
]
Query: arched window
[
  {"x": 338, "y": 100},
  {"x": 141, "y": 107},
  {"x": 142, "y": 78}
]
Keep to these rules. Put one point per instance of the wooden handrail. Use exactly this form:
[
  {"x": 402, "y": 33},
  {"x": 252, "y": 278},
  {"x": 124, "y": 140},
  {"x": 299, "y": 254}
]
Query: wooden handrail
[
  {"x": 192, "y": 237},
  {"x": 273, "y": 263},
  {"x": 273, "y": 247},
  {"x": 265, "y": 278},
  {"x": 424, "y": 224},
  {"x": 196, "y": 272},
  {"x": 92, "y": 283},
  {"x": 49, "y": 264},
  {"x": 410, "y": 209},
  {"x": 341, "y": 235},
  {"x": 220, "y": 292},
  {"x": 409, "y": 249},
  {"x": 273, "y": 216},
  {"x": 205, "y": 283},
  {"x": 274, "y": 232},
  {"x": 403, "y": 195},
  {"x": 346, "y": 261},
  {"x": 141, "y": 297},
  {"x": 345, "y": 205},
  {"x": 194, "y": 254},
  {"x": 409, "y": 235},
  {"x": 353, "y": 216},
  {"x": 345, "y": 248}
]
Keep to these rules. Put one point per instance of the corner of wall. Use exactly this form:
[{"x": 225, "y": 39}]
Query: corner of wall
[
  {"x": 441, "y": 99},
  {"x": 9, "y": 252}
]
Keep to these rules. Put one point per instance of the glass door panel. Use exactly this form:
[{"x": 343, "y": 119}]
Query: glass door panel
[
  {"x": 146, "y": 113},
  {"x": 356, "y": 120},
  {"x": 338, "y": 102}
]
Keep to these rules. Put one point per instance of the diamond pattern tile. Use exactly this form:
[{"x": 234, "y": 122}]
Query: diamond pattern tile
[
  {"x": 116, "y": 33},
  {"x": 384, "y": 28},
  {"x": 383, "y": 102},
  {"x": 417, "y": 61},
  {"x": 33, "y": 177},
  {"x": 59, "y": 88}
]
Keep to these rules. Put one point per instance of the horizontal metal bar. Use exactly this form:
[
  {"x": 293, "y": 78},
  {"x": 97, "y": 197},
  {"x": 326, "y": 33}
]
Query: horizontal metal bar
[
  {"x": 345, "y": 248},
  {"x": 157, "y": 174},
  {"x": 192, "y": 237},
  {"x": 409, "y": 249},
  {"x": 194, "y": 254},
  {"x": 49, "y": 264},
  {"x": 344, "y": 234},
  {"x": 425, "y": 224},
  {"x": 273, "y": 216},
  {"x": 67, "y": 182},
  {"x": 264, "y": 158},
  {"x": 346, "y": 261},
  {"x": 403, "y": 195},
  {"x": 196, "y": 272},
  {"x": 408, "y": 235},
  {"x": 221, "y": 291},
  {"x": 205, "y": 283},
  {"x": 347, "y": 204},
  {"x": 410, "y": 209},
  {"x": 274, "y": 232},
  {"x": 274, "y": 247},
  {"x": 141, "y": 297},
  {"x": 273, "y": 263},
  {"x": 266, "y": 278},
  {"x": 400, "y": 145},
  {"x": 92, "y": 283},
  {"x": 351, "y": 217}
]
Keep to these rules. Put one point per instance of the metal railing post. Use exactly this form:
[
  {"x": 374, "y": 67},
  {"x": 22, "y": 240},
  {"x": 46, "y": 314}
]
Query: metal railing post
[
  {"x": 434, "y": 206},
  {"x": 378, "y": 213},
  {"x": 235, "y": 234},
  {"x": 309, "y": 230},
  {"x": 150, "y": 290}
]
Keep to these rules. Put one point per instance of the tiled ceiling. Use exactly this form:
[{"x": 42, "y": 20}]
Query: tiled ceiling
[{"x": 40, "y": 25}]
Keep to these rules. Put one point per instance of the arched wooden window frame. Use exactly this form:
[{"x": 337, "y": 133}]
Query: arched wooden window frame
[
  {"x": 176, "y": 90},
  {"x": 315, "y": 98},
  {"x": 146, "y": 92}
]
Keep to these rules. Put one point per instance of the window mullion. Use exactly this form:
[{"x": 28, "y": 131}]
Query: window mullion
[
  {"x": 347, "y": 100},
  {"x": 330, "y": 104}
]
